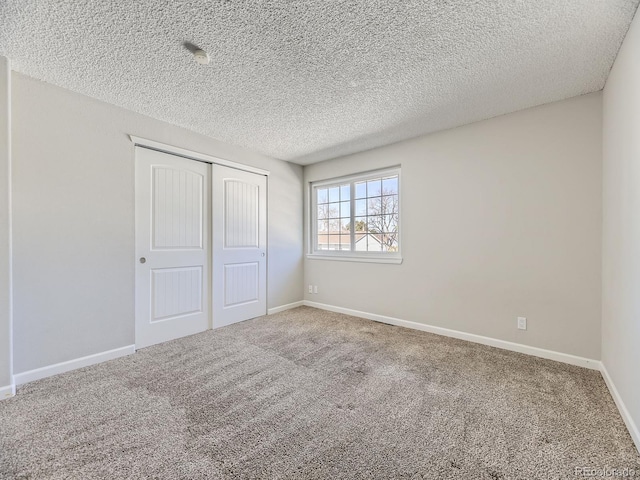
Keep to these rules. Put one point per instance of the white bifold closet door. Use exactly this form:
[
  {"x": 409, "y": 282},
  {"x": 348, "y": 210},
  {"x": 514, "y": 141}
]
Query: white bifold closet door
[
  {"x": 172, "y": 246},
  {"x": 239, "y": 205}
]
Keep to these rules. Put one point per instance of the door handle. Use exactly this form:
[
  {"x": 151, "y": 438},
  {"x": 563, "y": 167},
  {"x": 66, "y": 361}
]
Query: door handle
[
  {"x": 262, "y": 254},
  {"x": 143, "y": 260}
]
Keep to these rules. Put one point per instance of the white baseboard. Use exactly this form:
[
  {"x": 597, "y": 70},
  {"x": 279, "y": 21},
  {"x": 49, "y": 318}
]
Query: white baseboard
[
  {"x": 7, "y": 391},
  {"x": 626, "y": 416},
  {"x": 470, "y": 337},
  {"x": 38, "y": 373},
  {"x": 282, "y": 308}
]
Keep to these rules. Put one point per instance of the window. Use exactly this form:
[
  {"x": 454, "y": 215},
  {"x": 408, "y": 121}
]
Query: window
[{"x": 357, "y": 217}]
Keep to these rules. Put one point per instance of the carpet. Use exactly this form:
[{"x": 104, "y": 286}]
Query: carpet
[{"x": 310, "y": 394}]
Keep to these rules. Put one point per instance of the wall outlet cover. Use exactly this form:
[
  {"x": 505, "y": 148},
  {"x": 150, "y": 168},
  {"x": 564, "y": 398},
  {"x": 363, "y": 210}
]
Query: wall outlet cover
[{"x": 522, "y": 323}]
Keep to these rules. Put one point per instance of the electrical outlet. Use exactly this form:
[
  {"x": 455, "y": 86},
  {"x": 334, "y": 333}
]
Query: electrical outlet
[
  {"x": 310, "y": 288},
  {"x": 522, "y": 323},
  {"x": 315, "y": 289}
]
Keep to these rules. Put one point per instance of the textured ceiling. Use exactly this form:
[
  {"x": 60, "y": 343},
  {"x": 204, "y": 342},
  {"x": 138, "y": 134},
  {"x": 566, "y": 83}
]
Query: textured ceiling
[{"x": 309, "y": 80}]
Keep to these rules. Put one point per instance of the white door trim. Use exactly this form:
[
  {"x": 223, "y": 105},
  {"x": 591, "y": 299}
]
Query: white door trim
[{"x": 202, "y": 157}]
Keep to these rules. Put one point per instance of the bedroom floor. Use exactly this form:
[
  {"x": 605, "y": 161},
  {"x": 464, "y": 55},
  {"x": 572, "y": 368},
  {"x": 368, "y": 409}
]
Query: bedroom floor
[{"x": 313, "y": 394}]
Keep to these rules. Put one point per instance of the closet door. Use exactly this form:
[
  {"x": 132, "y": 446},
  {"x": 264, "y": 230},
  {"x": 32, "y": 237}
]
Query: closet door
[
  {"x": 239, "y": 205},
  {"x": 172, "y": 246}
]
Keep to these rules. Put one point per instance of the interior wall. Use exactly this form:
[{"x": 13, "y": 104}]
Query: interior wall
[
  {"x": 73, "y": 206},
  {"x": 621, "y": 225},
  {"x": 5, "y": 253},
  {"x": 500, "y": 219}
]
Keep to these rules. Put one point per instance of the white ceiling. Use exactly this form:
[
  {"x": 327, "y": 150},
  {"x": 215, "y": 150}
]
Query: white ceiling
[{"x": 305, "y": 81}]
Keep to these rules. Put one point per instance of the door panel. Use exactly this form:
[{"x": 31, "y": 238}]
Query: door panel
[
  {"x": 172, "y": 228},
  {"x": 241, "y": 282},
  {"x": 239, "y": 204},
  {"x": 176, "y": 292},
  {"x": 178, "y": 201}
]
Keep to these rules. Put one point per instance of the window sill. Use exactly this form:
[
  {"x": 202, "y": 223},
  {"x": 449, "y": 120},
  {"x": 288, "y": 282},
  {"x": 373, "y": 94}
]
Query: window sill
[{"x": 355, "y": 258}]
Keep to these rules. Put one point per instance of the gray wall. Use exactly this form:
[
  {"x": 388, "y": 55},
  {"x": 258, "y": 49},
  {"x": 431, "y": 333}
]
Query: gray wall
[
  {"x": 621, "y": 225},
  {"x": 5, "y": 254},
  {"x": 501, "y": 218},
  {"x": 74, "y": 221}
]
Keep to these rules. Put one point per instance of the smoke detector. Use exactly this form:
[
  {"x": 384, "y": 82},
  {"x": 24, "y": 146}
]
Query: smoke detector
[{"x": 201, "y": 57}]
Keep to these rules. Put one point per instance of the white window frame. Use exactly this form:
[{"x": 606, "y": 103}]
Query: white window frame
[{"x": 350, "y": 255}]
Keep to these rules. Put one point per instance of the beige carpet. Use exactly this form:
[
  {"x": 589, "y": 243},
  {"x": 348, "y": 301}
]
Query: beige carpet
[{"x": 311, "y": 394}]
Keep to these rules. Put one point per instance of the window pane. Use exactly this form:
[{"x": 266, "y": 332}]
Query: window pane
[
  {"x": 361, "y": 190},
  {"x": 374, "y": 243},
  {"x": 323, "y": 212},
  {"x": 374, "y": 206},
  {"x": 383, "y": 243},
  {"x": 361, "y": 207},
  {"x": 396, "y": 242},
  {"x": 345, "y": 224},
  {"x": 345, "y": 242},
  {"x": 345, "y": 192},
  {"x": 323, "y": 195},
  {"x": 334, "y": 225},
  {"x": 361, "y": 224},
  {"x": 389, "y": 223},
  {"x": 390, "y": 242},
  {"x": 390, "y": 186},
  {"x": 375, "y": 224},
  {"x": 334, "y": 194},
  {"x": 334, "y": 210},
  {"x": 323, "y": 226},
  {"x": 345, "y": 209},
  {"x": 389, "y": 204},
  {"x": 374, "y": 188},
  {"x": 323, "y": 242}
]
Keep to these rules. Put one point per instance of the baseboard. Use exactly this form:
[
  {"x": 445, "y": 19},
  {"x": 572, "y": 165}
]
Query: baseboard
[
  {"x": 7, "y": 391},
  {"x": 470, "y": 337},
  {"x": 48, "y": 371},
  {"x": 282, "y": 308},
  {"x": 626, "y": 416}
]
